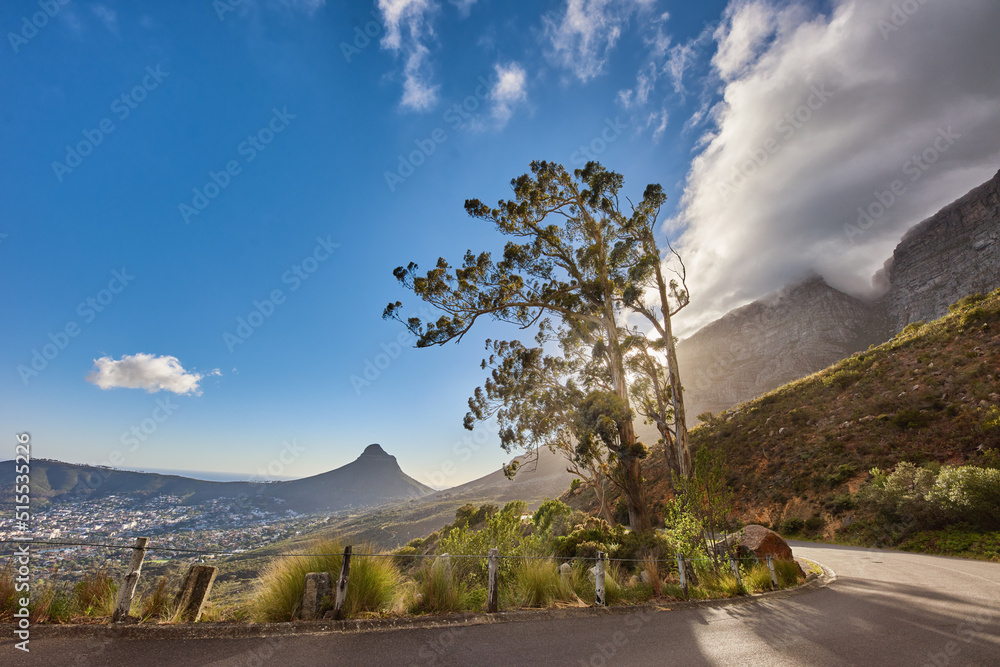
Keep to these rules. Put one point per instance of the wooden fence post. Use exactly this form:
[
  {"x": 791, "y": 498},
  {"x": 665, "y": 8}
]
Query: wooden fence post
[
  {"x": 493, "y": 598},
  {"x": 682, "y": 574},
  {"x": 770, "y": 568},
  {"x": 190, "y": 600},
  {"x": 345, "y": 574},
  {"x": 127, "y": 590},
  {"x": 600, "y": 598}
]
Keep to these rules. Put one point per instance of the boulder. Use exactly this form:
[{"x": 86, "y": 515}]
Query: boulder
[{"x": 758, "y": 541}]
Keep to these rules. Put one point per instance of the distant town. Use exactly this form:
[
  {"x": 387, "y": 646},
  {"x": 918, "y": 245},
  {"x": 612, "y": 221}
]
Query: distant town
[{"x": 220, "y": 525}]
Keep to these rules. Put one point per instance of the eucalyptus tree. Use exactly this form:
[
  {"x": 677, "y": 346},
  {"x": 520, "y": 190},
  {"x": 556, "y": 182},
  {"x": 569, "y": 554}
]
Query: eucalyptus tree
[
  {"x": 534, "y": 398},
  {"x": 569, "y": 255},
  {"x": 671, "y": 295}
]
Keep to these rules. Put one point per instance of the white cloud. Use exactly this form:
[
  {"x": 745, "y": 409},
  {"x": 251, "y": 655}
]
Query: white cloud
[
  {"x": 146, "y": 371},
  {"x": 407, "y": 26},
  {"x": 815, "y": 121},
  {"x": 744, "y": 30},
  {"x": 587, "y": 31},
  {"x": 509, "y": 91},
  {"x": 463, "y": 6}
]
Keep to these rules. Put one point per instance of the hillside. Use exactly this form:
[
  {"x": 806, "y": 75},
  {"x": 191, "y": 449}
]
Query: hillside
[
  {"x": 797, "y": 453},
  {"x": 542, "y": 475},
  {"x": 374, "y": 478}
]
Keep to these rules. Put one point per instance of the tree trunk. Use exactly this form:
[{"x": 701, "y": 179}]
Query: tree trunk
[
  {"x": 635, "y": 497},
  {"x": 680, "y": 422},
  {"x": 602, "y": 498}
]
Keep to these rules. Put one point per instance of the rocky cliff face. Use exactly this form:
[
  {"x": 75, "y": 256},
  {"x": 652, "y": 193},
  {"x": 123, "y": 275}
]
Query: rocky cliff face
[
  {"x": 761, "y": 346},
  {"x": 946, "y": 257},
  {"x": 807, "y": 327}
]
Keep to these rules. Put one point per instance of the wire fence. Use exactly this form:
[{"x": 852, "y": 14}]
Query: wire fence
[
  {"x": 294, "y": 554},
  {"x": 319, "y": 589}
]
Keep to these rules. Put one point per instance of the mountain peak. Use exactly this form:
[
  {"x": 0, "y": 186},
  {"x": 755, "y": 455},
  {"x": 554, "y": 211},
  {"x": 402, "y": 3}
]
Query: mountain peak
[{"x": 375, "y": 450}]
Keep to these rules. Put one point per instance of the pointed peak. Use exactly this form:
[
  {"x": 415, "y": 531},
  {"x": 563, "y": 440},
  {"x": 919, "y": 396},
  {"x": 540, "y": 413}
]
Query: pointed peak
[{"x": 374, "y": 450}]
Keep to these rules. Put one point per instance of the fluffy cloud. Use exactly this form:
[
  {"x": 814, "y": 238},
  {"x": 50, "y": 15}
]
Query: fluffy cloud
[
  {"x": 819, "y": 116},
  {"x": 745, "y": 27},
  {"x": 508, "y": 91},
  {"x": 584, "y": 34},
  {"x": 407, "y": 26},
  {"x": 146, "y": 371}
]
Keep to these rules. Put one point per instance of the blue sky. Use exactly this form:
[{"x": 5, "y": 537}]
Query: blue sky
[{"x": 180, "y": 175}]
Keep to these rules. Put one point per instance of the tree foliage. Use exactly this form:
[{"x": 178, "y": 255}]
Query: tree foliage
[{"x": 575, "y": 255}]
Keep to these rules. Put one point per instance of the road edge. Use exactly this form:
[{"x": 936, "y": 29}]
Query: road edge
[{"x": 260, "y": 630}]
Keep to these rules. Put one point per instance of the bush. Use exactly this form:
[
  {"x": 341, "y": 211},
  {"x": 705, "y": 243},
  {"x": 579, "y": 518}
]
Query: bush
[
  {"x": 372, "y": 588},
  {"x": 537, "y": 583},
  {"x": 95, "y": 594},
  {"x": 575, "y": 484},
  {"x": 969, "y": 494},
  {"x": 503, "y": 530},
  {"x": 586, "y": 540},
  {"x": 791, "y": 526},
  {"x": 437, "y": 589},
  {"x": 911, "y": 419},
  {"x": 842, "y": 379},
  {"x": 159, "y": 604},
  {"x": 548, "y": 512}
]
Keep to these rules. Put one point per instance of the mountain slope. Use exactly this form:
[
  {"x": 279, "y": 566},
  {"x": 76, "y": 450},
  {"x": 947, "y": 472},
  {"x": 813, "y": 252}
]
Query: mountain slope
[
  {"x": 931, "y": 394},
  {"x": 372, "y": 479},
  {"x": 541, "y": 476}
]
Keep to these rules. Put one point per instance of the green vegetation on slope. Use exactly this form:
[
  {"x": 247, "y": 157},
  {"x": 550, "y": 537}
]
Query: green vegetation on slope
[{"x": 798, "y": 455}]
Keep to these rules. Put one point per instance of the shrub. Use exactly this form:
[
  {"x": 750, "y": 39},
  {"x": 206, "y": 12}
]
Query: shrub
[
  {"x": 909, "y": 418},
  {"x": 757, "y": 579},
  {"x": 791, "y": 526},
  {"x": 548, "y": 512},
  {"x": 843, "y": 472},
  {"x": 968, "y": 493},
  {"x": 437, "y": 589},
  {"x": 788, "y": 573},
  {"x": 159, "y": 604},
  {"x": 537, "y": 583},
  {"x": 372, "y": 587},
  {"x": 586, "y": 540},
  {"x": 406, "y": 557},
  {"x": 843, "y": 379},
  {"x": 95, "y": 594},
  {"x": 636, "y": 547},
  {"x": 575, "y": 484},
  {"x": 504, "y": 531}
]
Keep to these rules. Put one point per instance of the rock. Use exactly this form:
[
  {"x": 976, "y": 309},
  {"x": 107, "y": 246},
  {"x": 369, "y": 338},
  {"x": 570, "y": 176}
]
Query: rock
[
  {"x": 758, "y": 541},
  {"x": 318, "y": 587},
  {"x": 782, "y": 430},
  {"x": 995, "y": 398},
  {"x": 644, "y": 576},
  {"x": 946, "y": 257}
]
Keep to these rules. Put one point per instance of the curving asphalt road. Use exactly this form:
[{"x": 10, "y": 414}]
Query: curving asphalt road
[{"x": 884, "y": 608}]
